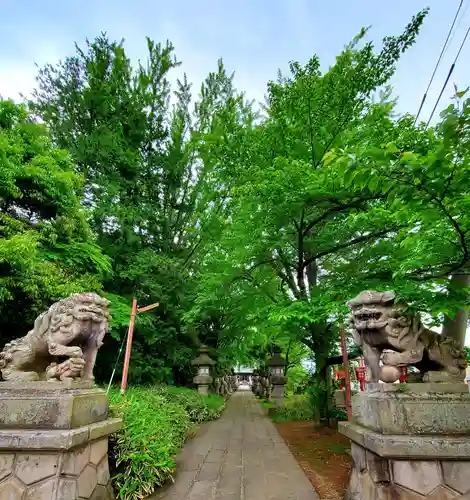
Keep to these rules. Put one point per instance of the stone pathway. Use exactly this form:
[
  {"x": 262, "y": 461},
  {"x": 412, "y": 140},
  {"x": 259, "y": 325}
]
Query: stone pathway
[{"x": 239, "y": 457}]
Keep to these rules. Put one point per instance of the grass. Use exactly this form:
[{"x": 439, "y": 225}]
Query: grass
[
  {"x": 157, "y": 422},
  {"x": 267, "y": 404},
  {"x": 338, "y": 448}
]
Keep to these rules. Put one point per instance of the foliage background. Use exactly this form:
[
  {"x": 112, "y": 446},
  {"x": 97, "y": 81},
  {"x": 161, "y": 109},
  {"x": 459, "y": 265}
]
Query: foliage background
[{"x": 250, "y": 228}]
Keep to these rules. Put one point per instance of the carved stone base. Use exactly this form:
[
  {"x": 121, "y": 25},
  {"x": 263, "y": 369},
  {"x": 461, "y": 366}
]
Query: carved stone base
[
  {"x": 50, "y": 405},
  {"x": 427, "y": 408},
  {"x": 58, "y": 464},
  {"x": 410, "y": 443},
  {"x": 54, "y": 442},
  {"x": 278, "y": 395},
  {"x": 375, "y": 477},
  {"x": 203, "y": 389},
  {"x": 203, "y": 382}
]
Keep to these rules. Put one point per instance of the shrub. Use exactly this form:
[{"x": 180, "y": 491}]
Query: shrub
[
  {"x": 157, "y": 421},
  {"x": 298, "y": 407},
  {"x": 338, "y": 414},
  {"x": 153, "y": 432},
  {"x": 297, "y": 380},
  {"x": 199, "y": 408}
]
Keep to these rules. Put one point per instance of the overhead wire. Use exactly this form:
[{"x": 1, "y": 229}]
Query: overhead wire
[
  {"x": 459, "y": 22},
  {"x": 448, "y": 75},
  {"x": 115, "y": 364},
  {"x": 443, "y": 50}
]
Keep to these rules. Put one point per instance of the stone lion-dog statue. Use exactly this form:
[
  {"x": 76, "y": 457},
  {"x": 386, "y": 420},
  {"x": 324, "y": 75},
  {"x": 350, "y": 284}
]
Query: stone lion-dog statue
[
  {"x": 379, "y": 324},
  {"x": 72, "y": 328}
]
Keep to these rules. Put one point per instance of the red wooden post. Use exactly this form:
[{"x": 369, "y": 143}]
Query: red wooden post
[
  {"x": 344, "y": 352},
  {"x": 127, "y": 357}
]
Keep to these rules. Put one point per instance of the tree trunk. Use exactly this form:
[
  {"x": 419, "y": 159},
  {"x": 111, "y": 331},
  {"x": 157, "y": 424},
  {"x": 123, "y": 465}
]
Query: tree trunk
[
  {"x": 320, "y": 390},
  {"x": 456, "y": 327}
]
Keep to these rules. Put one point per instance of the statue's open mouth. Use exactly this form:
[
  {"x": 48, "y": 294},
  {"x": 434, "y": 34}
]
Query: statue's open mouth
[
  {"x": 368, "y": 316},
  {"x": 371, "y": 319},
  {"x": 89, "y": 314}
]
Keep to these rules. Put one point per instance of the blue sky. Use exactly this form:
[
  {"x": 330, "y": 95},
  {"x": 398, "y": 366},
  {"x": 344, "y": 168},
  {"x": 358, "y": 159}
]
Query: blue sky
[{"x": 254, "y": 38}]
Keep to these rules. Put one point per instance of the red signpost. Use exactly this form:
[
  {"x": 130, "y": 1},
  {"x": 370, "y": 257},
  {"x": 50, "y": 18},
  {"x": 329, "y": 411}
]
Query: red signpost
[
  {"x": 127, "y": 356},
  {"x": 130, "y": 333},
  {"x": 347, "y": 379}
]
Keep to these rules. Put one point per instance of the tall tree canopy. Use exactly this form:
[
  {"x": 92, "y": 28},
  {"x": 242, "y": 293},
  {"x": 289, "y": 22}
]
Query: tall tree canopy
[
  {"x": 291, "y": 208},
  {"x": 249, "y": 229},
  {"x": 147, "y": 166}
]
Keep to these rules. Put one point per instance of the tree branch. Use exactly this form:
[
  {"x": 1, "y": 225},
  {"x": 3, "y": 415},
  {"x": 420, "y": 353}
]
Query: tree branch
[
  {"x": 461, "y": 232},
  {"x": 342, "y": 246},
  {"x": 300, "y": 257},
  {"x": 340, "y": 208},
  {"x": 285, "y": 275}
]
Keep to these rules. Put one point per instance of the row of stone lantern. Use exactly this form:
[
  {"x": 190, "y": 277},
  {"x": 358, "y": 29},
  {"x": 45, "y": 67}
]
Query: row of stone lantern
[
  {"x": 272, "y": 385},
  {"x": 263, "y": 386},
  {"x": 225, "y": 385}
]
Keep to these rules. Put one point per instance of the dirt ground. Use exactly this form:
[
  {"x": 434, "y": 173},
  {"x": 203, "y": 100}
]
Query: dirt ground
[{"x": 322, "y": 453}]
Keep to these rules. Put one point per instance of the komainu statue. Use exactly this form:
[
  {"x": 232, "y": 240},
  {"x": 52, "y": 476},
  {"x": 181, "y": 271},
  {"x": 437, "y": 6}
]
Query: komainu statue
[
  {"x": 63, "y": 343},
  {"x": 379, "y": 324}
]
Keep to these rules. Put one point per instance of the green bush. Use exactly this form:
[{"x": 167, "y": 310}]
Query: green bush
[
  {"x": 298, "y": 407},
  {"x": 338, "y": 414},
  {"x": 199, "y": 408},
  {"x": 157, "y": 421},
  {"x": 297, "y": 380}
]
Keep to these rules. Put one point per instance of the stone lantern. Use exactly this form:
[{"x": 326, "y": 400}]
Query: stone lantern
[
  {"x": 203, "y": 378},
  {"x": 276, "y": 371}
]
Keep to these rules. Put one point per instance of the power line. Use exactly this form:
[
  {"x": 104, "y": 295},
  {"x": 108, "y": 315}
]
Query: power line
[
  {"x": 457, "y": 26},
  {"x": 444, "y": 47},
  {"x": 448, "y": 76}
]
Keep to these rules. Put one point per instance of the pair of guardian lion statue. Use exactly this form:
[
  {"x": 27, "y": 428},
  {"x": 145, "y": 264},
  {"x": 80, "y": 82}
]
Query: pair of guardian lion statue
[{"x": 64, "y": 341}]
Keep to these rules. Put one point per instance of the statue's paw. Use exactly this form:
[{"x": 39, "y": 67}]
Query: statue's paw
[
  {"x": 76, "y": 362},
  {"x": 390, "y": 358},
  {"x": 54, "y": 349},
  {"x": 76, "y": 353}
]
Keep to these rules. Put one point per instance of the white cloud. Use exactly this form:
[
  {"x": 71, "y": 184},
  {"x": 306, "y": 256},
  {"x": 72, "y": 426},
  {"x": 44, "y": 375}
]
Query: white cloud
[{"x": 18, "y": 74}]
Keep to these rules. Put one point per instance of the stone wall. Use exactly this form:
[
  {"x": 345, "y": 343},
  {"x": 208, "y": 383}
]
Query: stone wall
[{"x": 80, "y": 473}]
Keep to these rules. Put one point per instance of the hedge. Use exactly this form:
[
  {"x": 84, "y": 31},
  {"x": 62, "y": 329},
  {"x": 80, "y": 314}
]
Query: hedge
[{"x": 157, "y": 422}]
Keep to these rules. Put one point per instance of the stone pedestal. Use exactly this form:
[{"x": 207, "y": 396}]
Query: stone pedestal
[
  {"x": 203, "y": 382},
  {"x": 278, "y": 384},
  {"x": 54, "y": 442},
  {"x": 410, "y": 442}
]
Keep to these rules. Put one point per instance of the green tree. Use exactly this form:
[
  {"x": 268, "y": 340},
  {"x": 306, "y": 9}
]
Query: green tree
[
  {"x": 47, "y": 249},
  {"x": 147, "y": 167},
  {"x": 290, "y": 208},
  {"x": 425, "y": 173}
]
